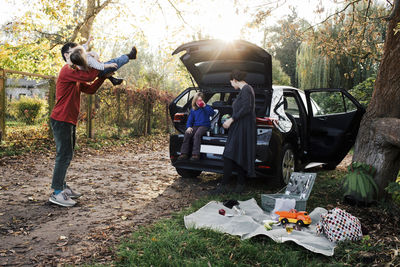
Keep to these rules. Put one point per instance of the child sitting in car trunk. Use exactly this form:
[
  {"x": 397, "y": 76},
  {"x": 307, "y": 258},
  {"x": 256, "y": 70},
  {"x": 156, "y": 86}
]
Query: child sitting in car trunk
[{"x": 197, "y": 125}]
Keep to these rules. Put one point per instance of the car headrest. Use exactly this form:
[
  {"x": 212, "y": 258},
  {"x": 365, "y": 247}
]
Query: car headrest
[{"x": 219, "y": 104}]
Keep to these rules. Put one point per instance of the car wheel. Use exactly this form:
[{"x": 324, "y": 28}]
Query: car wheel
[
  {"x": 188, "y": 173},
  {"x": 284, "y": 221},
  {"x": 287, "y": 164},
  {"x": 300, "y": 223},
  {"x": 329, "y": 166}
]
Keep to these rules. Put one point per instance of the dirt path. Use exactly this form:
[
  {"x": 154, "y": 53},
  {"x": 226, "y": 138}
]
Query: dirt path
[{"x": 123, "y": 188}]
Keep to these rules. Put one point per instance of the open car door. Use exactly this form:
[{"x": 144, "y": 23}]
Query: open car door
[
  {"x": 334, "y": 118},
  {"x": 180, "y": 107}
]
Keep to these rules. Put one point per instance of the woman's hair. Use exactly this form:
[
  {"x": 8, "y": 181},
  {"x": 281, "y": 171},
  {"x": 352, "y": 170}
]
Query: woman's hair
[
  {"x": 238, "y": 75},
  {"x": 78, "y": 57},
  {"x": 194, "y": 100}
]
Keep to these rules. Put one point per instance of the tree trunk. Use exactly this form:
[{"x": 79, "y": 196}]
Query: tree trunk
[{"x": 378, "y": 140}]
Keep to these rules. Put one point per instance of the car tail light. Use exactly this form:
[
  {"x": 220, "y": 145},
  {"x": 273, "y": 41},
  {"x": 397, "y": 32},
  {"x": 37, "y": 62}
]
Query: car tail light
[
  {"x": 178, "y": 117},
  {"x": 264, "y": 122},
  {"x": 263, "y": 167}
]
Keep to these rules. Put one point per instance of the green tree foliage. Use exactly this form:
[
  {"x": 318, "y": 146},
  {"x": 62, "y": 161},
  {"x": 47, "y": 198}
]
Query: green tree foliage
[
  {"x": 31, "y": 42},
  {"x": 344, "y": 50},
  {"x": 279, "y": 77},
  {"x": 363, "y": 91},
  {"x": 284, "y": 40}
]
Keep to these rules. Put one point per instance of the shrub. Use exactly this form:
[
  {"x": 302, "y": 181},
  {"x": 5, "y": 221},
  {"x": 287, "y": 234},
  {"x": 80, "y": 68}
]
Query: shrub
[
  {"x": 363, "y": 91},
  {"x": 394, "y": 190},
  {"x": 27, "y": 109}
]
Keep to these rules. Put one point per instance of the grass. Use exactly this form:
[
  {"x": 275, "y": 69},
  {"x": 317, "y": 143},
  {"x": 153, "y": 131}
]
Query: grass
[{"x": 169, "y": 243}]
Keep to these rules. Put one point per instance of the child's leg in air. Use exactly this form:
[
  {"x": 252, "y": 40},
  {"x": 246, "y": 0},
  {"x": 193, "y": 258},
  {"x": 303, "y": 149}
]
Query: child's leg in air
[{"x": 120, "y": 61}]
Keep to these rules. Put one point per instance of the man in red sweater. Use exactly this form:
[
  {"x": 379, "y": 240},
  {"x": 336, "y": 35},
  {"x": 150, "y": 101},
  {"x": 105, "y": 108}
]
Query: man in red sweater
[{"x": 70, "y": 83}]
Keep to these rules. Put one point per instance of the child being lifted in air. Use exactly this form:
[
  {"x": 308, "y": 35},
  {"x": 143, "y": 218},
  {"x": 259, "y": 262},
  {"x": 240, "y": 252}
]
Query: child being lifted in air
[{"x": 84, "y": 60}]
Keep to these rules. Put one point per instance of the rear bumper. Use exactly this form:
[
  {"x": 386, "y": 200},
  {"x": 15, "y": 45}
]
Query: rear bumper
[{"x": 211, "y": 159}]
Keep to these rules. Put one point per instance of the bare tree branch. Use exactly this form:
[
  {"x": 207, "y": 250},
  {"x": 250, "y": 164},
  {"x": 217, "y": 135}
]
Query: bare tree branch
[
  {"x": 179, "y": 13},
  {"x": 278, "y": 4},
  {"x": 394, "y": 10},
  {"x": 334, "y": 14},
  {"x": 96, "y": 11}
]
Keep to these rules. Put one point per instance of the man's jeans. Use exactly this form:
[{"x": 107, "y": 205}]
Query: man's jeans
[
  {"x": 122, "y": 60},
  {"x": 64, "y": 135}
]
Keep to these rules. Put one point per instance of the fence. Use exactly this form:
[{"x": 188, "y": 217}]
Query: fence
[
  {"x": 3, "y": 98},
  {"x": 115, "y": 111},
  {"x": 129, "y": 111}
]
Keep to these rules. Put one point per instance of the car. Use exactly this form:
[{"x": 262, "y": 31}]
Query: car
[
  {"x": 295, "y": 128},
  {"x": 301, "y": 218}
]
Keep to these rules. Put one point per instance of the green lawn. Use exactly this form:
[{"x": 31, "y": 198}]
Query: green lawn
[{"x": 169, "y": 243}]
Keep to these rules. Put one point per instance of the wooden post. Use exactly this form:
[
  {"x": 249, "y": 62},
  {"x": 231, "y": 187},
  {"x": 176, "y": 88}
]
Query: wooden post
[
  {"x": 3, "y": 106},
  {"x": 118, "y": 112},
  {"x": 89, "y": 124},
  {"x": 51, "y": 101}
]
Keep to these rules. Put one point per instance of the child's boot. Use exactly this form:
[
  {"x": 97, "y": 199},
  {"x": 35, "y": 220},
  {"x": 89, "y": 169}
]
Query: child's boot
[
  {"x": 132, "y": 54},
  {"x": 183, "y": 157},
  {"x": 115, "y": 81}
]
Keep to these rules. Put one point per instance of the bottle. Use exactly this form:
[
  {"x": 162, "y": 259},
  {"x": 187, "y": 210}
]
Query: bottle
[{"x": 216, "y": 128}]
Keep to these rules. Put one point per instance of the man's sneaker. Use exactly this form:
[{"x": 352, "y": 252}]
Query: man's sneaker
[
  {"x": 71, "y": 193},
  {"x": 62, "y": 199}
]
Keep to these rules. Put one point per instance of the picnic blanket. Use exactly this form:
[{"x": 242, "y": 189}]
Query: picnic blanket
[{"x": 251, "y": 224}]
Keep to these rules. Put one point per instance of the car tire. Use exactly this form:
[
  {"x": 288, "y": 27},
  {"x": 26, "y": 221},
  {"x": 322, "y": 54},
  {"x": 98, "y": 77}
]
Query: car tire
[
  {"x": 188, "y": 173},
  {"x": 300, "y": 223},
  {"x": 286, "y": 164},
  {"x": 284, "y": 221},
  {"x": 329, "y": 166}
]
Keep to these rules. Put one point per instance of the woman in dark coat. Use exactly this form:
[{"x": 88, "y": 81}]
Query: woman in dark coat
[{"x": 240, "y": 148}]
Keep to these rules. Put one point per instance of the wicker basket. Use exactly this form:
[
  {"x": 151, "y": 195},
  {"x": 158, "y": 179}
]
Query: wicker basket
[{"x": 299, "y": 188}]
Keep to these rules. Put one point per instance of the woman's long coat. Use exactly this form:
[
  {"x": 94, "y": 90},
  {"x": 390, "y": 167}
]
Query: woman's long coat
[{"x": 242, "y": 137}]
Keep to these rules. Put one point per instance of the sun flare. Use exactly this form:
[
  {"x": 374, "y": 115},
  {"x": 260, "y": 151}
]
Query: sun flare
[{"x": 225, "y": 26}]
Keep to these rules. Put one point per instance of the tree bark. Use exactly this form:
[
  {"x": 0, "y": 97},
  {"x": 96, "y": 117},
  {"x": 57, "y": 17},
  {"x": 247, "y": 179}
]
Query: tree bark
[
  {"x": 85, "y": 27},
  {"x": 378, "y": 140}
]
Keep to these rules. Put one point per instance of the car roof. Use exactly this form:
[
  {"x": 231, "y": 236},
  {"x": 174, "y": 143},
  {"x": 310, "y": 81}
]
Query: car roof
[{"x": 274, "y": 86}]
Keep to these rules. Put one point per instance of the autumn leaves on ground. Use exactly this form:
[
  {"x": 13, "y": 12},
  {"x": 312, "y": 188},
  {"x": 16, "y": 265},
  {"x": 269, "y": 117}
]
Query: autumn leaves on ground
[
  {"x": 130, "y": 184},
  {"x": 124, "y": 186}
]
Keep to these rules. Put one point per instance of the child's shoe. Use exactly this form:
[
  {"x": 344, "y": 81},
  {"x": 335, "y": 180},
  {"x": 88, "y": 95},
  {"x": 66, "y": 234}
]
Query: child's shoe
[
  {"x": 132, "y": 54},
  {"x": 183, "y": 157},
  {"x": 115, "y": 81},
  {"x": 195, "y": 157}
]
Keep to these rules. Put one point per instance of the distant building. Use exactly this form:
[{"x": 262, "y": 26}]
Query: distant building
[{"x": 15, "y": 88}]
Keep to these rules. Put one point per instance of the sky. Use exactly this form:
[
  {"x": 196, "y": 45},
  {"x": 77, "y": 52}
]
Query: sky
[
  {"x": 217, "y": 18},
  {"x": 162, "y": 26}
]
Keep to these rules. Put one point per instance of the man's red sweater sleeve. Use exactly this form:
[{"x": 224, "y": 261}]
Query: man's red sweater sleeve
[
  {"x": 91, "y": 88},
  {"x": 72, "y": 75}
]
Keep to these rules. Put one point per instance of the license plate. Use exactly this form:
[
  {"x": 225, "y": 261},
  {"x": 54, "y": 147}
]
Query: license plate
[{"x": 218, "y": 150}]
